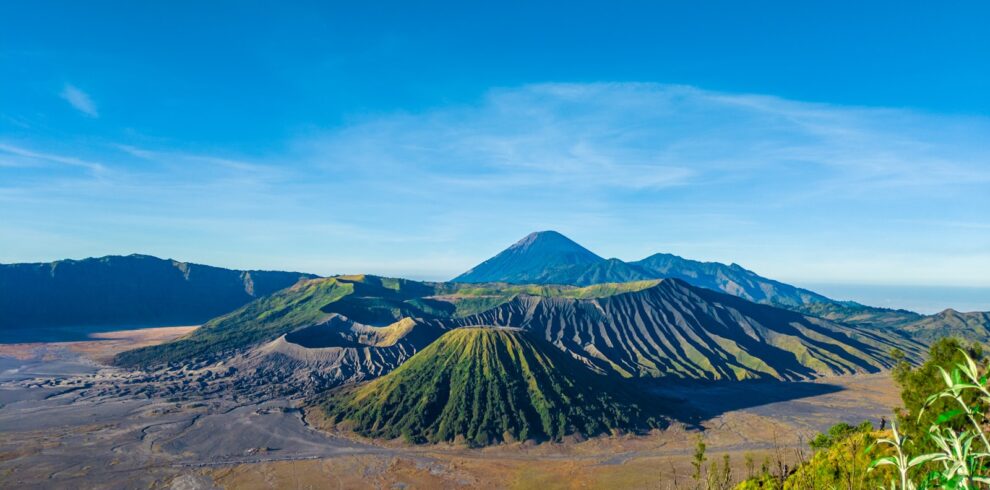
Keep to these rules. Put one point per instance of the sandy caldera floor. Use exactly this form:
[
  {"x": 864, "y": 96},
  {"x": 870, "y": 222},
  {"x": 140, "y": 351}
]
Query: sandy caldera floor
[
  {"x": 65, "y": 424},
  {"x": 101, "y": 347}
]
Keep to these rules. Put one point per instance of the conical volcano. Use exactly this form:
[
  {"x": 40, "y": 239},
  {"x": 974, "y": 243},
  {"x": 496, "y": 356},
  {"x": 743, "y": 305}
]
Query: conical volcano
[
  {"x": 539, "y": 258},
  {"x": 485, "y": 385}
]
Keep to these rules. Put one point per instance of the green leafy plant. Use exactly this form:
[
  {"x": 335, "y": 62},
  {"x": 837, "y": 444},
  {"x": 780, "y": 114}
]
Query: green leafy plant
[
  {"x": 901, "y": 461},
  {"x": 960, "y": 458},
  {"x": 964, "y": 378},
  {"x": 918, "y": 384},
  {"x": 939, "y": 439}
]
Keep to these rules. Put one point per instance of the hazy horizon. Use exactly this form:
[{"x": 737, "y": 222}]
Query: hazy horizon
[{"x": 920, "y": 298}]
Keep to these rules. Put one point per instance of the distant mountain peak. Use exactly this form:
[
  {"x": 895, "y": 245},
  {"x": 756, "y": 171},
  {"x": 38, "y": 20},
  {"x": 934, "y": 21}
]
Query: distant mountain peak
[
  {"x": 543, "y": 234},
  {"x": 540, "y": 257},
  {"x": 548, "y": 257},
  {"x": 551, "y": 239}
]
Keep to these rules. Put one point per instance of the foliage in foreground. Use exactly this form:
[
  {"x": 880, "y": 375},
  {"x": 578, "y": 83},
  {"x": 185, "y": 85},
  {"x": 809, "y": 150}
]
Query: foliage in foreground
[
  {"x": 940, "y": 438},
  {"x": 958, "y": 432},
  {"x": 840, "y": 461},
  {"x": 919, "y": 383},
  {"x": 842, "y": 464}
]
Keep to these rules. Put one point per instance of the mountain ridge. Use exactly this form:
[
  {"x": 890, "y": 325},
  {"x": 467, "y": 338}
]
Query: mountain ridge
[
  {"x": 676, "y": 330},
  {"x": 648, "y": 329},
  {"x": 511, "y": 266},
  {"x": 973, "y": 326},
  {"x": 127, "y": 290}
]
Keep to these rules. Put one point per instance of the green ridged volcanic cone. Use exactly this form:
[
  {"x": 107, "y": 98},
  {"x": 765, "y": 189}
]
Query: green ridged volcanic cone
[{"x": 489, "y": 385}]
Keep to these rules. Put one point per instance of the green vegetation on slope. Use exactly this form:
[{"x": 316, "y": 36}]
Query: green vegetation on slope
[
  {"x": 264, "y": 319},
  {"x": 973, "y": 327},
  {"x": 859, "y": 315},
  {"x": 675, "y": 330},
  {"x": 469, "y": 299},
  {"x": 365, "y": 299},
  {"x": 843, "y": 461},
  {"x": 486, "y": 385},
  {"x": 656, "y": 328}
]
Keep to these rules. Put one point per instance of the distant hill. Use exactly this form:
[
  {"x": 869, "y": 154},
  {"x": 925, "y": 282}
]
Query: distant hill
[
  {"x": 547, "y": 257},
  {"x": 732, "y": 279},
  {"x": 486, "y": 385},
  {"x": 860, "y": 315},
  {"x": 127, "y": 291},
  {"x": 973, "y": 326},
  {"x": 648, "y": 329}
]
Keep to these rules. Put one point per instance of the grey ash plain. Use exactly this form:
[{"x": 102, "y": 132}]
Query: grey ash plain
[
  {"x": 92, "y": 426},
  {"x": 74, "y": 423}
]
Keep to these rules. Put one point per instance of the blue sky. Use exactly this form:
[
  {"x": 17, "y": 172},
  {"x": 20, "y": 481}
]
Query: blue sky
[{"x": 838, "y": 143}]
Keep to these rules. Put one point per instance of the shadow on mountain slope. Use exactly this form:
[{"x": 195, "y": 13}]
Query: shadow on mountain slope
[{"x": 697, "y": 402}]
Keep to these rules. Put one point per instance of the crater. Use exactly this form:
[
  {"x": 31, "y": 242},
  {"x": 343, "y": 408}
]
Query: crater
[{"x": 338, "y": 331}]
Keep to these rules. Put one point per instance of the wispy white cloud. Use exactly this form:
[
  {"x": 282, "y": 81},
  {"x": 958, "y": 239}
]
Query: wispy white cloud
[
  {"x": 647, "y": 137},
  {"x": 80, "y": 100},
  {"x": 140, "y": 152},
  {"x": 26, "y": 155},
  {"x": 200, "y": 170},
  {"x": 649, "y": 162}
]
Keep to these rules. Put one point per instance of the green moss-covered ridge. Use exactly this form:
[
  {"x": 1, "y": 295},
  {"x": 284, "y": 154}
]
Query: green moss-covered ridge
[{"x": 488, "y": 385}]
